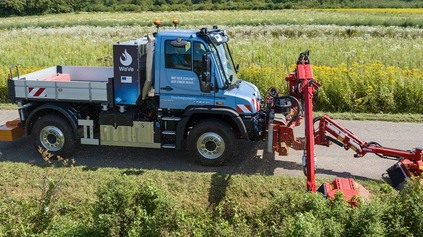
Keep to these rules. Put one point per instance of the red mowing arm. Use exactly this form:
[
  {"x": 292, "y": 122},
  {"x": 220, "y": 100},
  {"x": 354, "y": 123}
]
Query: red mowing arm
[{"x": 329, "y": 131}]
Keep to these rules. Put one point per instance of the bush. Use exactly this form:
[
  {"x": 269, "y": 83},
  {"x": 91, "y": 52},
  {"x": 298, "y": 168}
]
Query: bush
[
  {"x": 127, "y": 208},
  {"x": 405, "y": 214},
  {"x": 299, "y": 214},
  {"x": 15, "y": 217},
  {"x": 229, "y": 219}
]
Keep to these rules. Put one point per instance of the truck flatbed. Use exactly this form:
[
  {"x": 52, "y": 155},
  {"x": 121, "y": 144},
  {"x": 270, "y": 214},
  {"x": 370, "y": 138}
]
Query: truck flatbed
[{"x": 64, "y": 83}]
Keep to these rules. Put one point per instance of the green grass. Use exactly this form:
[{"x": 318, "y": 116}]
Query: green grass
[
  {"x": 191, "y": 191},
  {"x": 406, "y": 17},
  {"x": 8, "y": 106}
]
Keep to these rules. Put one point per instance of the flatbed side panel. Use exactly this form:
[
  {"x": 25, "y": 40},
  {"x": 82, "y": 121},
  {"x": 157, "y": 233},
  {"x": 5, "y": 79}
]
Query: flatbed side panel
[
  {"x": 28, "y": 89},
  {"x": 98, "y": 91},
  {"x": 73, "y": 91},
  {"x": 50, "y": 90}
]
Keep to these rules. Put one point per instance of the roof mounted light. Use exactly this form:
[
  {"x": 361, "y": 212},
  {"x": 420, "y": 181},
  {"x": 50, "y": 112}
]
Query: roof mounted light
[
  {"x": 158, "y": 22},
  {"x": 175, "y": 22}
]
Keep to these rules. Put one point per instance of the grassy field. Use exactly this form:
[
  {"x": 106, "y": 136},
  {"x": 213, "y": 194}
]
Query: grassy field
[
  {"x": 366, "y": 60},
  {"x": 346, "y": 17}
]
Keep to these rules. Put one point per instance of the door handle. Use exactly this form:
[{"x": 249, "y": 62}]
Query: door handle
[{"x": 167, "y": 88}]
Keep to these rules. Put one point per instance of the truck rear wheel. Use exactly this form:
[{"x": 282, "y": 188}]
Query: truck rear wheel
[
  {"x": 53, "y": 133},
  {"x": 211, "y": 142}
]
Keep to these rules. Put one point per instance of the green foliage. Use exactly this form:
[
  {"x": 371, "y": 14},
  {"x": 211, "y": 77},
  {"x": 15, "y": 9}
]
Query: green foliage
[
  {"x": 136, "y": 205},
  {"x": 405, "y": 214},
  {"x": 127, "y": 208},
  {"x": 229, "y": 219},
  {"x": 15, "y": 217},
  {"x": 298, "y": 214}
]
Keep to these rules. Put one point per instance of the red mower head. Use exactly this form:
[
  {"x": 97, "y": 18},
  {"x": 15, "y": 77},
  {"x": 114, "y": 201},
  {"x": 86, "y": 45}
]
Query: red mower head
[{"x": 348, "y": 187}]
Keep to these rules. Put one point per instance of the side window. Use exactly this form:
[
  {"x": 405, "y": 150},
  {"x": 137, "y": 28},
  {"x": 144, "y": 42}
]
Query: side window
[{"x": 178, "y": 54}]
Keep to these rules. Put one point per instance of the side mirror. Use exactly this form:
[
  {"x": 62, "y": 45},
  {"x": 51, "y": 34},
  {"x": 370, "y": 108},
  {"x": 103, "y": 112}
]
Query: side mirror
[
  {"x": 207, "y": 67},
  {"x": 206, "y": 73}
]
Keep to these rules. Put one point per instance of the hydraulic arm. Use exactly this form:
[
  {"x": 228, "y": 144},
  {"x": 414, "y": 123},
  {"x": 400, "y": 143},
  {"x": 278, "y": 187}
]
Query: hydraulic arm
[
  {"x": 410, "y": 163},
  {"x": 302, "y": 87}
]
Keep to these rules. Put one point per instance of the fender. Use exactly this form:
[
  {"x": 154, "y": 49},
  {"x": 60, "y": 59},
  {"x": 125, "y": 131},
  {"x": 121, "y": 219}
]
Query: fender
[
  {"x": 191, "y": 111},
  {"x": 67, "y": 111}
]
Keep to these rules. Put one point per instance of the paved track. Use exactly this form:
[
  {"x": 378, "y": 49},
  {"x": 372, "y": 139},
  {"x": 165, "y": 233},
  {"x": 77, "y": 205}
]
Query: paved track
[{"x": 332, "y": 161}]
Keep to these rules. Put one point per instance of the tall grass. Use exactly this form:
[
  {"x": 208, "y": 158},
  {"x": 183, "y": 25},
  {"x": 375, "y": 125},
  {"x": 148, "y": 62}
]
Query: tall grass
[
  {"x": 373, "y": 17},
  {"x": 270, "y": 46},
  {"x": 263, "y": 45}
]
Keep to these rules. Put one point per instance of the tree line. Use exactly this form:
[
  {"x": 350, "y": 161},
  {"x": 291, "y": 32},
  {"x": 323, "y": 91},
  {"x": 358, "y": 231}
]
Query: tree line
[{"x": 38, "y": 7}]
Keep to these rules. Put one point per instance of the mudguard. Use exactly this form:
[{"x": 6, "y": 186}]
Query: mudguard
[
  {"x": 62, "y": 109},
  {"x": 192, "y": 111}
]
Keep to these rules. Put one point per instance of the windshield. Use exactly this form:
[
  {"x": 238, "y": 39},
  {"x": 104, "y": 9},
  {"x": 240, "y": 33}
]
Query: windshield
[{"x": 225, "y": 63}]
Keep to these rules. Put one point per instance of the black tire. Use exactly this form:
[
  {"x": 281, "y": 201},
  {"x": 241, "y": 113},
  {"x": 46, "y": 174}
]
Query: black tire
[
  {"x": 54, "y": 133},
  {"x": 211, "y": 142}
]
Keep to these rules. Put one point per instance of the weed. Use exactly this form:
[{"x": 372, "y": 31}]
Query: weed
[{"x": 50, "y": 191}]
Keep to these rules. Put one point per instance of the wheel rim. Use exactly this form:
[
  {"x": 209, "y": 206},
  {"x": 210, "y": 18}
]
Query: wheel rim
[
  {"x": 52, "y": 138},
  {"x": 211, "y": 145}
]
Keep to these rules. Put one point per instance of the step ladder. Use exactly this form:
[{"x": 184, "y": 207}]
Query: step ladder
[{"x": 169, "y": 124}]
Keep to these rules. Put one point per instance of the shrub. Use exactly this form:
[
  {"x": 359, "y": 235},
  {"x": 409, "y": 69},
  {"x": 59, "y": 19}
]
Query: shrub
[
  {"x": 299, "y": 214},
  {"x": 15, "y": 217},
  {"x": 127, "y": 208},
  {"x": 229, "y": 219},
  {"x": 405, "y": 214}
]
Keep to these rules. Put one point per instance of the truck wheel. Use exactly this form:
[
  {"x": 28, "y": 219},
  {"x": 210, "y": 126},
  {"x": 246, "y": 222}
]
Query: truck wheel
[
  {"x": 211, "y": 142},
  {"x": 53, "y": 133}
]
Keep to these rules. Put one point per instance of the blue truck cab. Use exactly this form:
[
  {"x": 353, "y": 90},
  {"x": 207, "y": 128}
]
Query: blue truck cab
[
  {"x": 208, "y": 76},
  {"x": 195, "y": 73},
  {"x": 177, "y": 89}
]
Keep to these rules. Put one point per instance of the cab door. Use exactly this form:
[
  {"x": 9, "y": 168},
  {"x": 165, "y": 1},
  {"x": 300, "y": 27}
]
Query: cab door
[{"x": 182, "y": 78}]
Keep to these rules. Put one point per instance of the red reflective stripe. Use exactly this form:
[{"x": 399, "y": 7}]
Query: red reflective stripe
[
  {"x": 241, "y": 108},
  {"x": 248, "y": 107},
  {"x": 39, "y": 91}
]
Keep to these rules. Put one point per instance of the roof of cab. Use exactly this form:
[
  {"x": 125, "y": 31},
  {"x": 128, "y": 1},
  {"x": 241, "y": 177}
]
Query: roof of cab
[{"x": 178, "y": 33}]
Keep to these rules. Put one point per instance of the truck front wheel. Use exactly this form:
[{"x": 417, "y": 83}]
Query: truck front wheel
[
  {"x": 211, "y": 142},
  {"x": 53, "y": 133}
]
